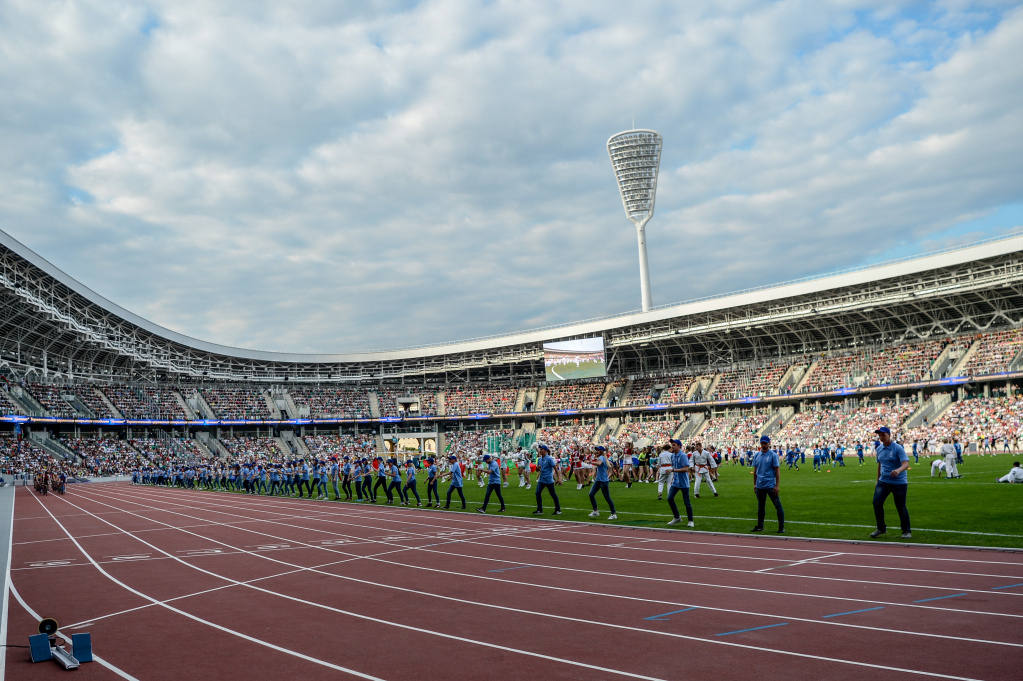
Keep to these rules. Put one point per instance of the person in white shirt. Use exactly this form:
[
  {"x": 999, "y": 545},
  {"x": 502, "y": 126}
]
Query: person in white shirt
[
  {"x": 703, "y": 462},
  {"x": 1015, "y": 474},
  {"x": 949, "y": 453},
  {"x": 664, "y": 472},
  {"x": 937, "y": 466}
]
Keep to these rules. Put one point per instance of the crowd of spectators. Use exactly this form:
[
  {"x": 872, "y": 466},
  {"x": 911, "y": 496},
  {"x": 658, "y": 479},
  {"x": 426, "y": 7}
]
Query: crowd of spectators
[
  {"x": 387, "y": 401},
  {"x": 247, "y": 449},
  {"x": 472, "y": 442},
  {"x": 749, "y": 382},
  {"x": 237, "y": 403},
  {"x": 88, "y": 396},
  {"x": 565, "y": 434},
  {"x": 733, "y": 428},
  {"x": 986, "y": 422},
  {"x": 572, "y": 395},
  {"x": 52, "y": 399},
  {"x": 329, "y": 402},
  {"x": 25, "y": 457},
  {"x": 345, "y": 444},
  {"x": 145, "y": 402},
  {"x": 994, "y": 354},
  {"x": 480, "y": 400},
  {"x": 105, "y": 455},
  {"x": 166, "y": 449},
  {"x": 656, "y": 431},
  {"x": 845, "y": 426}
]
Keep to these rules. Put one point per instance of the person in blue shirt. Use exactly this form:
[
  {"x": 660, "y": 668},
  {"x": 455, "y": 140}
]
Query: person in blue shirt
[
  {"x": 840, "y": 455},
  {"x": 431, "y": 483},
  {"x": 381, "y": 480},
  {"x": 601, "y": 482},
  {"x": 357, "y": 469},
  {"x": 859, "y": 452},
  {"x": 959, "y": 451},
  {"x": 892, "y": 464},
  {"x": 410, "y": 483},
  {"x": 817, "y": 459},
  {"x": 766, "y": 481},
  {"x": 346, "y": 478},
  {"x": 679, "y": 483},
  {"x": 395, "y": 482},
  {"x": 916, "y": 458},
  {"x": 455, "y": 473},
  {"x": 547, "y": 472},
  {"x": 494, "y": 481}
]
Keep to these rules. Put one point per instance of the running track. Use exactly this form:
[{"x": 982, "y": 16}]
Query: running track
[{"x": 173, "y": 584}]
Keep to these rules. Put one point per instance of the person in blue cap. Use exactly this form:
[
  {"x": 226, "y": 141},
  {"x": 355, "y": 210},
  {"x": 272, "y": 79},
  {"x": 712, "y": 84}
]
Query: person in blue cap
[
  {"x": 494, "y": 480},
  {"x": 394, "y": 486},
  {"x": 601, "y": 482},
  {"x": 892, "y": 464},
  {"x": 431, "y": 483},
  {"x": 455, "y": 473},
  {"x": 410, "y": 484},
  {"x": 679, "y": 483},
  {"x": 766, "y": 480},
  {"x": 547, "y": 472}
]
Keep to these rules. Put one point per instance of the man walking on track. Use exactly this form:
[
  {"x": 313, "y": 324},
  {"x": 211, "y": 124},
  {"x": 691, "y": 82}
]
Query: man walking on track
[
  {"x": 496, "y": 477},
  {"x": 679, "y": 483},
  {"x": 547, "y": 470},
  {"x": 455, "y": 473},
  {"x": 766, "y": 480},
  {"x": 892, "y": 464},
  {"x": 601, "y": 482}
]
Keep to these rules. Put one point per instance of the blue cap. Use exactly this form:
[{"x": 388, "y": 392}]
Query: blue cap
[
  {"x": 884, "y": 429},
  {"x": 486, "y": 457},
  {"x": 601, "y": 448},
  {"x": 676, "y": 442},
  {"x": 543, "y": 447},
  {"x": 452, "y": 456},
  {"x": 764, "y": 438}
]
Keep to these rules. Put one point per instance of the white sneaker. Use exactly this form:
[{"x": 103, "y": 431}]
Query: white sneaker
[
  {"x": 594, "y": 514},
  {"x": 579, "y": 486},
  {"x": 674, "y": 521},
  {"x": 528, "y": 486},
  {"x": 691, "y": 524},
  {"x": 613, "y": 516}
]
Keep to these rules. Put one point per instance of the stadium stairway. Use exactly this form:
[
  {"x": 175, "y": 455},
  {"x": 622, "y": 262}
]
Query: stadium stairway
[
  {"x": 943, "y": 362},
  {"x": 303, "y": 446},
  {"x": 806, "y": 375},
  {"x": 957, "y": 369},
  {"x": 442, "y": 405},
  {"x": 626, "y": 391},
  {"x": 713, "y": 386},
  {"x": 108, "y": 404},
  {"x": 931, "y": 410},
  {"x": 691, "y": 426},
  {"x": 606, "y": 429},
  {"x": 610, "y": 390},
  {"x": 271, "y": 405},
  {"x": 52, "y": 445},
  {"x": 294, "y": 410},
  {"x": 200, "y": 407},
  {"x": 777, "y": 421},
  {"x": 285, "y": 448},
  {"x": 374, "y": 411},
  {"x": 699, "y": 387},
  {"x": 540, "y": 395},
  {"x": 792, "y": 377},
  {"x": 183, "y": 403},
  {"x": 218, "y": 448},
  {"x": 25, "y": 402},
  {"x": 204, "y": 449},
  {"x": 520, "y": 400}
]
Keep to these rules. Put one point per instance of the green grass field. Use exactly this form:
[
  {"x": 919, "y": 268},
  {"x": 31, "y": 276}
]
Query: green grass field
[{"x": 974, "y": 510}]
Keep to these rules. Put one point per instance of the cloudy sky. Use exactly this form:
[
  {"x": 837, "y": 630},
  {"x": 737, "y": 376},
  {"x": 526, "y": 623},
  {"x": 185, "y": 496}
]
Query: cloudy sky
[{"x": 335, "y": 176}]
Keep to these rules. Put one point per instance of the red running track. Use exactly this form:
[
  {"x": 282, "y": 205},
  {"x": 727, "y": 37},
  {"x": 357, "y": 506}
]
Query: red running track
[{"x": 172, "y": 583}]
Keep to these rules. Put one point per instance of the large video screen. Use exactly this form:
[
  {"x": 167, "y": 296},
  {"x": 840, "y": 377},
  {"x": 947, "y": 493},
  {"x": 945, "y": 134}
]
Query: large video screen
[{"x": 583, "y": 358}]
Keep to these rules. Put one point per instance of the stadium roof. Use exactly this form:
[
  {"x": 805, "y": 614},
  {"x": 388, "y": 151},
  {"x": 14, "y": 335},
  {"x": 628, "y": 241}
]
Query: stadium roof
[{"x": 52, "y": 322}]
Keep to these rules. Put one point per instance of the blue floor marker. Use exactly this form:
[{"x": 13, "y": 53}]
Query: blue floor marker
[
  {"x": 663, "y": 618},
  {"x": 938, "y": 598},
  {"x": 766, "y": 626},
  {"x": 517, "y": 567},
  {"x": 853, "y": 612},
  {"x": 1010, "y": 586}
]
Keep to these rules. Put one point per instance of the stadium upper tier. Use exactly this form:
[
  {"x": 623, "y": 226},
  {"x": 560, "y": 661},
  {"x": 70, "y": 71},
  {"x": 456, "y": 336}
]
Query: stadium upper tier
[{"x": 54, "y": 326}]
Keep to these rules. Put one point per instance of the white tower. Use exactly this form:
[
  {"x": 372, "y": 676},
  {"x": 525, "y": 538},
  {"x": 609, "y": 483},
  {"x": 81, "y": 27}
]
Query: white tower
[{"x": 636, "y": 157}]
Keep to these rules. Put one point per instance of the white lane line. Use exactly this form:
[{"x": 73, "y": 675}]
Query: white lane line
[
  {"x": 702, "y": 567},
  {"x": 540, "y": 614},
  {"x": 337, "y": 610},
  {"x": 117, "y": 670},
  {"x": 576, "y": 590},
  {"x": 802, "y": 562}
]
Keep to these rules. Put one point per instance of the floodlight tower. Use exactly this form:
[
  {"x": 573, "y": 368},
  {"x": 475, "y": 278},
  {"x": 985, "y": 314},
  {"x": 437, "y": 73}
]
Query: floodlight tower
[{"x": 636, "y": 157}]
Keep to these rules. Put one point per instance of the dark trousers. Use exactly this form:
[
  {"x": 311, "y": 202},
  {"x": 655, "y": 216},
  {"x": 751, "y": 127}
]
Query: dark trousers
[
  {"x": 540, "y": 487},
  {"x": 605, "y": 488},
  {"x": 411, "y": 485},
  {"x": 762, "y": 495},
  {"x": 898, "y": 492},
  {"x": 381, "y": 482},
  {"x": 685, "y": 500},
  {"x": 394, "y": 486},
  {"x": 367, "y": 488},
  {"x": 452, "y": 488},
  {"x": 302, "y": 483},
  {"x": 346, "y": 487},
  {"x": 491, "y": 488},
  {"x": 431, "y": 489},
  {"x": 313, "y": 486}
]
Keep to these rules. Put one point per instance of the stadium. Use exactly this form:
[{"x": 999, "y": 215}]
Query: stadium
[{"x": 322, "y": 355}]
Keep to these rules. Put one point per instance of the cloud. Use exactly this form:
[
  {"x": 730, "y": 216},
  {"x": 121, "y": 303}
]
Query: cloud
[{"x": 309, "y": 177}]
